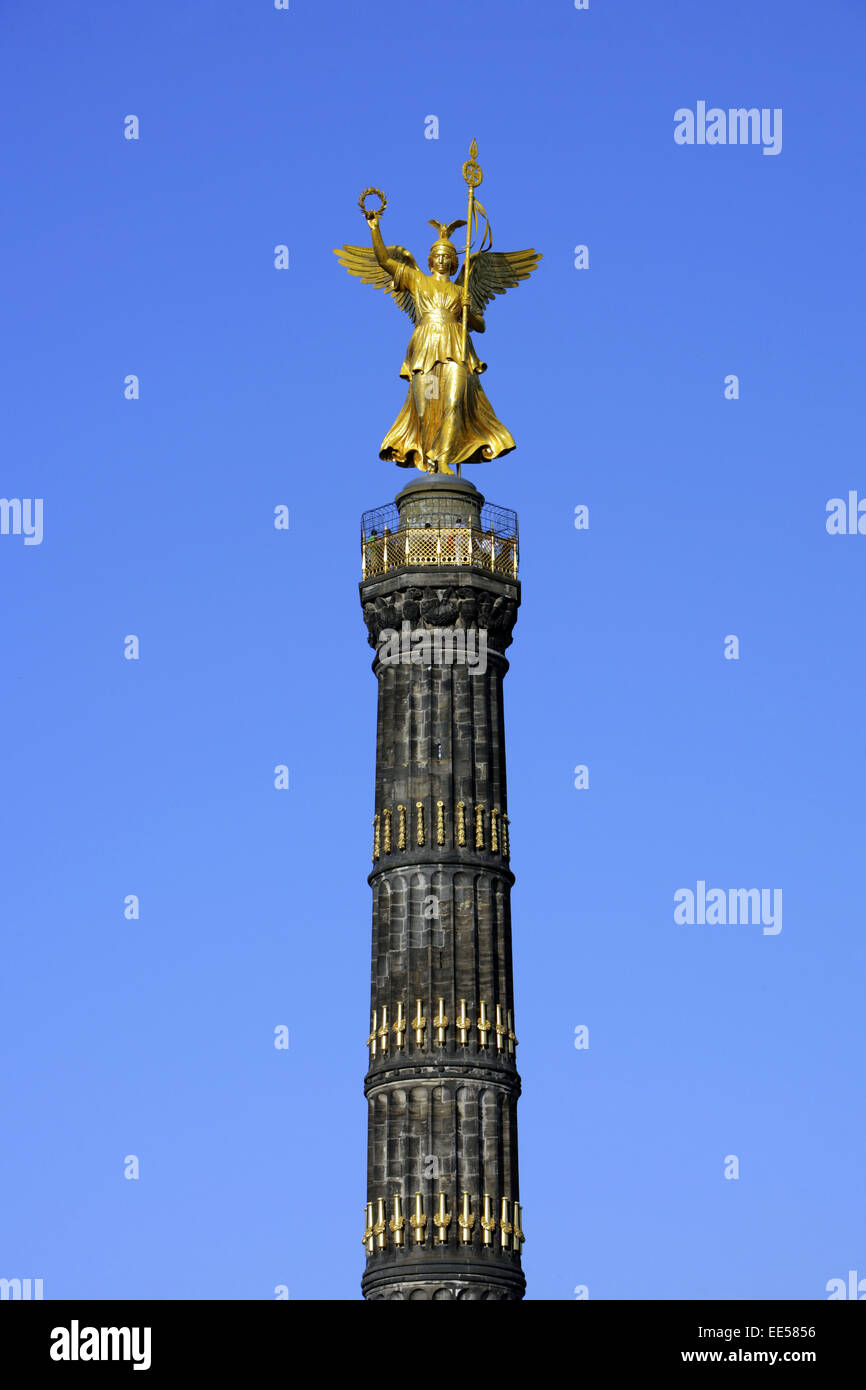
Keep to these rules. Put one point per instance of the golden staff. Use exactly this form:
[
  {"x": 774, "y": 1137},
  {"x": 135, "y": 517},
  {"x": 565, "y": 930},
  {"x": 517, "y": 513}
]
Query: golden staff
[{"x": 472, "y": 174}]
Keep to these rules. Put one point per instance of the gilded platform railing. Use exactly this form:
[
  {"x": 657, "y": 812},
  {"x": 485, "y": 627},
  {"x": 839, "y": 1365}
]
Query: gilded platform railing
[{"x": 439, "y": 546}]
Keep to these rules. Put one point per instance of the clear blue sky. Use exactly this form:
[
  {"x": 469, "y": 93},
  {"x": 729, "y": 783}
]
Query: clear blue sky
[{"x": 259, "y": 387}]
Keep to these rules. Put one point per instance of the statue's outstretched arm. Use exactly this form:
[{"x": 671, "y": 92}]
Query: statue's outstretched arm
[{"x": 380, "y": 250}]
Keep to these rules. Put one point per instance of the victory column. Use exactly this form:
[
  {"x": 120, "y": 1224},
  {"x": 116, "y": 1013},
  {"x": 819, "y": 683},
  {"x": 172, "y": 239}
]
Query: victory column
[{"x": 440, "y": 596}]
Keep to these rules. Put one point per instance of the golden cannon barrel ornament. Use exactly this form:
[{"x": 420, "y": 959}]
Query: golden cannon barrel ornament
[{"x": 481, "y": 1231}]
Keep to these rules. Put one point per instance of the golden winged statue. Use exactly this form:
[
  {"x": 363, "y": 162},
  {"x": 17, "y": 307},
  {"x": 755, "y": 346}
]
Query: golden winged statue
[{"x": 446, "y": 418}]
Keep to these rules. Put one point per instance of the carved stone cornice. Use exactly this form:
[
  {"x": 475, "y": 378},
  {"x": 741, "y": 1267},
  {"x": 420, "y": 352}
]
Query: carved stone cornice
[
  {"x": 467, "y": 600},
  {"x": 429, "y": 1278}
]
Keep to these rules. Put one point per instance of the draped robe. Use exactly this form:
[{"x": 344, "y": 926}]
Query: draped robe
[{"x": 446, "y": 418}]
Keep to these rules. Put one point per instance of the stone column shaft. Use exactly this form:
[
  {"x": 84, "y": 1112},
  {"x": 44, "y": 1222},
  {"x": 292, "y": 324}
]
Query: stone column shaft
[{"x": 442, "y": 1099}]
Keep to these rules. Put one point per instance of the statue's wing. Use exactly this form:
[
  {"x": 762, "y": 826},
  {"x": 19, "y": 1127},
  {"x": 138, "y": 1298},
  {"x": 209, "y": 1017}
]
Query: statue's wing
[
  {"x": 361, "y": 261},
  {"x": 494, "y": 272}
]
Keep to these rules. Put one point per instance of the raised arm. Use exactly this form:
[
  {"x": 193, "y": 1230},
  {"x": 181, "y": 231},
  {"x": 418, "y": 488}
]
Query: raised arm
[{"x": 380, "y": 250}]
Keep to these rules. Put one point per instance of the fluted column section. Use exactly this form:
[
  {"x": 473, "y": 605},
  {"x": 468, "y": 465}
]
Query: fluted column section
[{"x": 442, "y": 1100}]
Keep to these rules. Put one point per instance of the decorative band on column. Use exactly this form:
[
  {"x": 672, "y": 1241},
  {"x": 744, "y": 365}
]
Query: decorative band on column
[
  {"x": 377, "y": 1226},
  {"x": 383, "y": 829},
  {"x": 499, "y": 1034}
]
